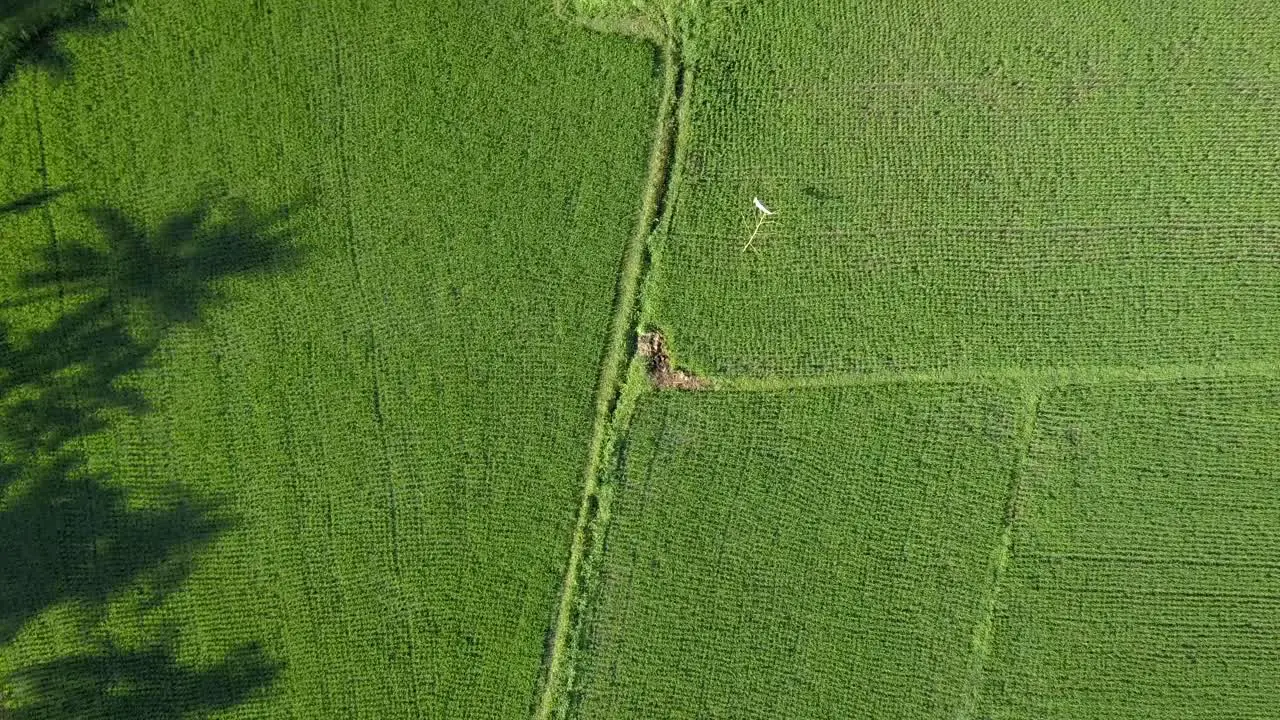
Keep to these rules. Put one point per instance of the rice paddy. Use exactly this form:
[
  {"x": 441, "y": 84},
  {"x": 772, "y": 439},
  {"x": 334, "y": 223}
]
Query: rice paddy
[
  {"x": 758, "y": 569},
  {"x": 1038, "y": 185},
  {"x": 1141, "y": 569},
  {"x": 646, "y": 359},
  {"x": 296, "y": 413}
]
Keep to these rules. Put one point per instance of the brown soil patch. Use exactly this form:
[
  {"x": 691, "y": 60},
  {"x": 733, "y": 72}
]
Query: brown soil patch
[{"x": 653, "y": 346}]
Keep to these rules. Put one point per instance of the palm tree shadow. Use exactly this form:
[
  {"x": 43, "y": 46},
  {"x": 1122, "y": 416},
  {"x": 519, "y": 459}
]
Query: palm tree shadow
[
  {"x": 32, "y": 200},
  {"x": 171, "y": 273},
  {"x": 31, "y": 33},
  {"x": 148, "y": 682},
  {"x": 71, "y": 536}
]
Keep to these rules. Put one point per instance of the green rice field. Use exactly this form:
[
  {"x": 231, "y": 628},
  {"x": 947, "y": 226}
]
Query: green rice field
[
  {"x": 639, "y": 359},
  {"x": 1141, "y": 573},
  {"x": 1038, "y": 185},
  {"x": 757, "y": 569},
  {"x": 296, "y": 415}
]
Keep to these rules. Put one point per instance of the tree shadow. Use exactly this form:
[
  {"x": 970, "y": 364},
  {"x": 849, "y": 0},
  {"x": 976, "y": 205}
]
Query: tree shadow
[
  {"x": 145, "y": 683},
  {"x": 171, "y": 273},
  {"x": 31, "y": 33},
  {"x": 32, "y": 200},
  {"x": 70, "y": 535}
]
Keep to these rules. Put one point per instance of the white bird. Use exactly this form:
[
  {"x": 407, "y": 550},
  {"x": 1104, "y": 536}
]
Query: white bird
[{"x": 764, "y": 217}]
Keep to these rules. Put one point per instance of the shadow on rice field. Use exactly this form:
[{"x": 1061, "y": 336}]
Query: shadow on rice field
[
  {"x": 31, "y": 201},
  {"x": 32, "y": 33},
  {"x": 75, "y": 544}
]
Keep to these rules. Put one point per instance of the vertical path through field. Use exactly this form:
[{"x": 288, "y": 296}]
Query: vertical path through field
[
  {"x": 984, "y": 631},
  {"x": 616, "y": 382}
]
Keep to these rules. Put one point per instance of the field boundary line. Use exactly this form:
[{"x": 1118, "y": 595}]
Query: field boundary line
[
  {"x": 46, "y": 212},
  {"x": 985, "y": 630},
  {"x": 619, "y": 382},
  {"x": 1048, "y": 377}
]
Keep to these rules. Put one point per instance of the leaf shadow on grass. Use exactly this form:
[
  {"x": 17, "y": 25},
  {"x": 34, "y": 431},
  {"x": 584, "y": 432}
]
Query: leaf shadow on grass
[
  {"x": 154, "y": 684},
  {"x": 31, "y": 33},
  {"x": 32, "y": 201},
  {"x": 71, "y": 538}
]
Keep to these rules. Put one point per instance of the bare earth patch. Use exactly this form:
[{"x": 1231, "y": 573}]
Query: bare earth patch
[{"x": 653, "y": 346}]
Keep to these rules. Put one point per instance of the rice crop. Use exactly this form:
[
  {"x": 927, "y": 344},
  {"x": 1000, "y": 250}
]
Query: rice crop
[
  {"x": 758, "y": 360},
  {"x": 1141, "y": 579},
  {"x": 1032, "y": 185},
  {"x": 338, "y": 486},
  {"x": 875, "y": 212},
  {"x": 1086, "y": 550},
  {"x": 818, "y": 554}
]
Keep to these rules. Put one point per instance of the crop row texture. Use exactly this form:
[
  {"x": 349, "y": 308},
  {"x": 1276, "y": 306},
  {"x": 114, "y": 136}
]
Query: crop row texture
[
  {"x": 1142, "y": 572},
  {"x": 1090, "y": 552},
  {"x": 339, "y": 489},
  {"x": 822, "y": 554},
  {"x": 1033, "y": 185}
]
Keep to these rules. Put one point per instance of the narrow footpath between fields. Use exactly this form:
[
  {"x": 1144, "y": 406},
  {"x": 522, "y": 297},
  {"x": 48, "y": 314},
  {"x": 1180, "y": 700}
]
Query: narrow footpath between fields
[{"x": 622, "y": 378}]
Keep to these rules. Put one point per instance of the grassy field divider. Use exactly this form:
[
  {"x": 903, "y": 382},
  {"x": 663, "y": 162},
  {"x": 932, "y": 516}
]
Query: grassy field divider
[
  {"x": 984, "y": 631},
  {"x": 1048, "y": 377},
  {"x": 623, "y": 378}
]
